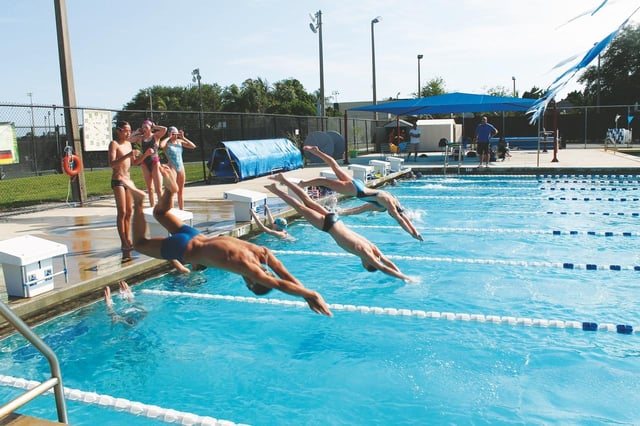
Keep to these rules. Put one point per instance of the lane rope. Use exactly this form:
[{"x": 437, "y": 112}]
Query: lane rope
[
  {"x": 120, "y": 404},
  {"x": 560, "y": 265},
  {"x": 537, "y": 213},
  {"x": 502, "y": 230},
  {"x": 450, "y": 316}
]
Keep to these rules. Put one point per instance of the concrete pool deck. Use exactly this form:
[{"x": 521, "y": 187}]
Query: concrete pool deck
[{"x": 94, "y": 258}]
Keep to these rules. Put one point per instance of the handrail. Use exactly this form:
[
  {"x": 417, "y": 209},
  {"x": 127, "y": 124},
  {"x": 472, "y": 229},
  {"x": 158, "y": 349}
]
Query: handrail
[{"x": 54, "y": 382}]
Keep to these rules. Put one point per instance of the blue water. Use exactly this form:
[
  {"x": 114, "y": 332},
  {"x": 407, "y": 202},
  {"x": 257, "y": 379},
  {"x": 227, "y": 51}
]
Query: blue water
[{"x": 489, "y": 249}]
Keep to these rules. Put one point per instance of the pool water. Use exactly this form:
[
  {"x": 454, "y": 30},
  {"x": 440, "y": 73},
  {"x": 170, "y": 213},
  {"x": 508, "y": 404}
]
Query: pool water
[{"x": 490, "y": 332}]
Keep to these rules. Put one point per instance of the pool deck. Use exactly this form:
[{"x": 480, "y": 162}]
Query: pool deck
[{"x": 94, "y": 258}]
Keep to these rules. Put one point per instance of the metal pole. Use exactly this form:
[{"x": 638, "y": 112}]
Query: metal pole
[
  {"x": 373, "y": 62},
  {"x": 514, "y": 86},
  {"x": 419, "y": 57},
  {"x": 33, "y": 133},
  {"x": 322, "y": 101},
  {"x": 196, "y": 77}
]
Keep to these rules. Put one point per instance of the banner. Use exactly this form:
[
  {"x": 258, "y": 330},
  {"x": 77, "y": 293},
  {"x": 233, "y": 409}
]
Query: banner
[{"x": 8, "y": 144}]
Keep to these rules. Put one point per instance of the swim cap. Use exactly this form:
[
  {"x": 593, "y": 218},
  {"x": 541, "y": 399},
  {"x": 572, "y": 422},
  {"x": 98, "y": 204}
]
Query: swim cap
[
  {"x": 173, "y": 129},
  {"x": 281, "y": 222}
]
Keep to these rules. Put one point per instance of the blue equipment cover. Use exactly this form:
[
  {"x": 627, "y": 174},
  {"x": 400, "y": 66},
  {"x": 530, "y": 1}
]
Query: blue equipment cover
[{"x": 252, "y": 158}]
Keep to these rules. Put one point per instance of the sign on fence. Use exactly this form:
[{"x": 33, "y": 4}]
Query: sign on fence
[{"x": 8, "y": 144}]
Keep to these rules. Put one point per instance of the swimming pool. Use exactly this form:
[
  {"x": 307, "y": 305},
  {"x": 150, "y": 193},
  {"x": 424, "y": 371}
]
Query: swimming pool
[{"x": 512, "y": 275}]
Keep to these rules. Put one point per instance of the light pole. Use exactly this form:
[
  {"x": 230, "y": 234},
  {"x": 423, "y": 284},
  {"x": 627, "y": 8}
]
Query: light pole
[
  {"x": 419, "y": 57},
  {"x": 317, "y": 28},
  {"x": 373, "y": 61},
  {"x": 514, "y": 86},
  {"x": 150, "y": 103},
  {"x": 196, "y": 77},
  {"x": 33, "y": 134}
]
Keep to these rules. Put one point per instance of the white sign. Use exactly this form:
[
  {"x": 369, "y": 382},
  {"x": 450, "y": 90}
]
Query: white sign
[{"x": 96, "y": 129}]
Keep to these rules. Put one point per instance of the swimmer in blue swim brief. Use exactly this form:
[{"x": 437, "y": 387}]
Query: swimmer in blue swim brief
[
  {"x": 375, "y": 200},
  {"x": 324, "y": 220},
  {"x": 260, "y": 269}
]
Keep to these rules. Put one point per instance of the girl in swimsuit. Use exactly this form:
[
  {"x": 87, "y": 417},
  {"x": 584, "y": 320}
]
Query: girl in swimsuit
[
  {"x": 375, "y": 200},
  {"x": 149, "y": 136},
  {"x": 172, "y": 146}
]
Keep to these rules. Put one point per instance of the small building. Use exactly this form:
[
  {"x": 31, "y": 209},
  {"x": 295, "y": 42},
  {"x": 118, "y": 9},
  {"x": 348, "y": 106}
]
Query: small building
[{"x": 433, "y": 130}]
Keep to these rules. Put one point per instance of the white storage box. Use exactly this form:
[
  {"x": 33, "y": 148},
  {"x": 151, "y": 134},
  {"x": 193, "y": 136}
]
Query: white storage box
[
  {"x": 361, "y": 172},
  {"x": 243, "y": 201},
  {"x": 380, "y": 167},
  {"x": 27, "y": 263},
  {"x": 154, "y": 229},
  {"x": 328, "y": 173},
  {"x": 395, "y": 163}
]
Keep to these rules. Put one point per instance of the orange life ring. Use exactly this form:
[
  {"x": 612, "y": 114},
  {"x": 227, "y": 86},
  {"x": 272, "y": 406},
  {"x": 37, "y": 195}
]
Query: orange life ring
[{"x": 72, "y": 165}]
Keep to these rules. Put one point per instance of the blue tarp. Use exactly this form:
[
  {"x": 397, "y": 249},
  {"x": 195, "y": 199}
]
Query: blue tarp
[
  {"x": 252, "y": 158},
  {"x": 451, "y": 103}
]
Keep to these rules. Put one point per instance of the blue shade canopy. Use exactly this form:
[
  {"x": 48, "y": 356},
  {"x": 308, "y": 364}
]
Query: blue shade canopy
[{"x": 451, "y": 103}]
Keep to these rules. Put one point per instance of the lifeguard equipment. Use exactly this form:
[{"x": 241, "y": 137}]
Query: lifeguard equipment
[{"x": 71, "y": 163}]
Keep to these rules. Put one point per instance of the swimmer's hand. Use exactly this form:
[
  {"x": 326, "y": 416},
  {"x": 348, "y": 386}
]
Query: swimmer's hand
[{"x": 317, "y": 304}]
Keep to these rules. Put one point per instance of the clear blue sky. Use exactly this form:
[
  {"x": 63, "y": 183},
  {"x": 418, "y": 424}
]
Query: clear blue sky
[{"x": 119, "y": 47}]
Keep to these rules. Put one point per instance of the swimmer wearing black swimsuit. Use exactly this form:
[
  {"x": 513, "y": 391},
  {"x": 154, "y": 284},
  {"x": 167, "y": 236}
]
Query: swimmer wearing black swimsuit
[
  {"x": 329, "y": 221},
  {"x": 117, "y": 182}
]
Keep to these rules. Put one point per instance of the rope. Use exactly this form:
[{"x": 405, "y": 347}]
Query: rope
[
  {"x": 121, "y": 404},
  {"x": 450, "y": 316},
  {"x": 572, "y": 188},
  {"x": 537, "y": 213},
  {"x": 561, "y": 265},
  {"x": 593, "y": 199},
  {"x": 505, "y": 231}
]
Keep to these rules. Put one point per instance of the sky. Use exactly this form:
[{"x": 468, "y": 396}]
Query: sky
[{"x": 121, "y": 46}]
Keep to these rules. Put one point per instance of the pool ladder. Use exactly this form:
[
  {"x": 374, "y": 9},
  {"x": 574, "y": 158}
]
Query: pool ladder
[{"x": 54, "y": 382}]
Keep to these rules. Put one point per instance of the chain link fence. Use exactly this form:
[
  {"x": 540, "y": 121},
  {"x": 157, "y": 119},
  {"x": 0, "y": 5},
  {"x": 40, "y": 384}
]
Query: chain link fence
[{"x": 41, "y": 134}]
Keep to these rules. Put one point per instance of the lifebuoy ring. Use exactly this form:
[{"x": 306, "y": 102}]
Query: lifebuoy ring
[{"x": 72, "y": 165}]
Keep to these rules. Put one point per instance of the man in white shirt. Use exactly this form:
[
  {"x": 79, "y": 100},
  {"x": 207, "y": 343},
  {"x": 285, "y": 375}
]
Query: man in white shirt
[{"x": 414, "y": 142}]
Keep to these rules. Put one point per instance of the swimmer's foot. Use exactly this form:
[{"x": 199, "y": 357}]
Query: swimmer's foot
[
  {"x": 311, "y": 148},
  {"x": 272, "y": 187},
  {"x": 169, "y": 179},
  {"x": 278, "y": 177},
  {"x": 107, "y": 296}
]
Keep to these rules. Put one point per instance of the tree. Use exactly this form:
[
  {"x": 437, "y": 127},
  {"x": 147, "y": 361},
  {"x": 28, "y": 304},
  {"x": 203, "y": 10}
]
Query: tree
[
  {"x": 289, "y": 97},
  {"x": 617, "y": 79},
  {"x": 534, "y": 93},
  {"x": 434, "y": 87}
]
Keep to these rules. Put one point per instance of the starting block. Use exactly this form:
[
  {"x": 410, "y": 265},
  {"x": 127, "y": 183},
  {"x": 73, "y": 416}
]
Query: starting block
[
  {"x": 243, "y": 201},
  {"x": 395, "y": 163},
  {"x": 361, "y": 172},
  {"x": 27, "y": 263},
  {"x": 154, "y": 229},
  {"x": 328, "y": 174},
  {"x": 380, "y": 167}
]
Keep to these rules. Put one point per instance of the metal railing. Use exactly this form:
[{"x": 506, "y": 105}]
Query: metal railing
[{"x": 54, "y": 382}]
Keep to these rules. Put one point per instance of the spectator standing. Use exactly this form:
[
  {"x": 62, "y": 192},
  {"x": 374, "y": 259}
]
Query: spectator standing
[
  {"x": 173, "y": 146},
  {"x": 414, "y": 142},
  {"x": 484, "y": 133}
]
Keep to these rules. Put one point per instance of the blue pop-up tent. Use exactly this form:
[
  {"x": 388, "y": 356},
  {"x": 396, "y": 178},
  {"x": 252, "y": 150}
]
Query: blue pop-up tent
[
  {"x": 240, "y": 160},
  {"x": 451, "y": 103}
]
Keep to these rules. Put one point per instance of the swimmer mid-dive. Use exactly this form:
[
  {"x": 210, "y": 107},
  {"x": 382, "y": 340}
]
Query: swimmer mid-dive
[
  {"x": 187, "y": 245},
  {"x": 321, "y": 218},
  {"x": 131, "y": 314},
  {"x": 376, "y": 200}
]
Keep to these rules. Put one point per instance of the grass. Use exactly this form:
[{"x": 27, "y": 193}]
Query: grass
[{"x": 54, "y": 188}]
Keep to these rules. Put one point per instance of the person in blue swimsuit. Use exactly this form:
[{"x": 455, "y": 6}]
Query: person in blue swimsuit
[
  {"x": 371, "y": 257},
  {"x": 376, "y": 200},
  {"x": 172, "y": 146},
  {"x": 258, "y": 266}
]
